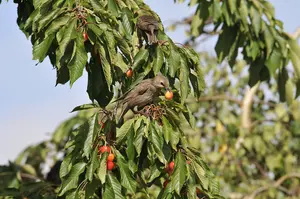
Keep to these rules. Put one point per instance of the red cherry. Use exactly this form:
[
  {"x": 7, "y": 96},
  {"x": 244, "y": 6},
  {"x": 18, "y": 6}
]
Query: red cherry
[
  {"x": 110, "y": 157},
  {"x": 110, "y": 165},
  {"x": 171, "y": 166},
  {"x": 129, "y": 72},
  {"x": 102, "y": 124},
  {"x": 169, "y": 95},
  {"x": 85, "y": 36},
  {"x": 103, "y": 149},
  {"x": 165, "y": 183},
  {"x": 188, "y": 162}
]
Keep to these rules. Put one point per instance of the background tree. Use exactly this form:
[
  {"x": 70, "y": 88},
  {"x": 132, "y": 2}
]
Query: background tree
[{"x": 103, "y": 35}]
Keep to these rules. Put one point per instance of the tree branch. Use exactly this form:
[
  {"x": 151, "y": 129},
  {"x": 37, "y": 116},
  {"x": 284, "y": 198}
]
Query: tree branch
[
  {"x": 275, "y": 185},
  {"x": 246, "y": 108}
]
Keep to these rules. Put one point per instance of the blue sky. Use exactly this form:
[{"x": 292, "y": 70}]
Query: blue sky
[{"x": 31, "y": 106}]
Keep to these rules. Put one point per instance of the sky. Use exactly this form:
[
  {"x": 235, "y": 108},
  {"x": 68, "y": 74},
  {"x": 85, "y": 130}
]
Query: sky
[{"x": 31, "y": 107}]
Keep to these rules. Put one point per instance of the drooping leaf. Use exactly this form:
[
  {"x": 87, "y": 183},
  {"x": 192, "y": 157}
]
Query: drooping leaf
[{"x": 71, "y": 181}]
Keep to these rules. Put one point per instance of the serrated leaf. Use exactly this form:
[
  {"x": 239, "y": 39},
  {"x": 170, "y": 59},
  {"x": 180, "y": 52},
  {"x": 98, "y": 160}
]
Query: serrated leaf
[
  {"x": 140, "y": 59},
  {"x": 101, "y": 172},
  {"x": 113, "y": 7},
  {"x": 139, "y": 141},
  {"x": 167, "y": 129},
  {"x": 116, "y": 186},
  {"x": 274, "y": 61},
  {"x": 105, "y": 66},
  {"x": 46, "y": 19},
  {"x": 232, "y": 6},
  {"x": 57, "y": 24},
  {"x": 289, "y": 87},
  {"x": 85, "y": 107},
  {"x": 130, "y": 151},
  {"x": 269, "y": 40},
  {"x": 295, "y": 56},
  {"x": 157, "y": 141},
  {"x": 124, "y": 130},
  {"x": 64, "y": 36},
  {"x": 243, "y": 11},
  {"x": 127, "y": 180},
  {"x": 66, "y": 166},
  {"x": 40, "y": 49},
  {"x": 92, "y": 127},
  {"x": 126, "y": 17},
  {"x": 184, "y": 80},
  {"x": 179, "y": 174},
  {"x": 71, "y": 180},
  {"x": 173, "y": 61},
  {"x": 158, "y": 60},
  {"x": 93, "y": 165},
  {"x": 256, "y": 20},
  {"x": 225, "y": 41}
]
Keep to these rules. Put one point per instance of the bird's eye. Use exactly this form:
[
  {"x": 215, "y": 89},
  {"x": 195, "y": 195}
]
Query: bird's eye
[{"x": 162, "y": 83}]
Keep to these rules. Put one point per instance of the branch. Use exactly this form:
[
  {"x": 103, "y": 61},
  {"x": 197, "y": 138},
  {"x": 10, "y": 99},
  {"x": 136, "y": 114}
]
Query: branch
[
  {"x": 247, "y": 104},
  {"x": 216, "y": 98},
  {"x": 275, "y": 185}
]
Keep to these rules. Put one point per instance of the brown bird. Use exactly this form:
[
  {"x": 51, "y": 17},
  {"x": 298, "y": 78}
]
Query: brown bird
[
  {"x": 148, "y": 25},
  {"x": 144, "y": 93}
]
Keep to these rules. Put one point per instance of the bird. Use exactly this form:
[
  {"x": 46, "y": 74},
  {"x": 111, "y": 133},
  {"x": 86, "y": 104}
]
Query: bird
[
  {"x": 144, "y": 93},
  {"x": 148, "y": 25}
]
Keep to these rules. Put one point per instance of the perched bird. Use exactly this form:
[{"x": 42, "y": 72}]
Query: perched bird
[
  {"x": 148, "y": 25},
  {"x": 144, "y": 93}
]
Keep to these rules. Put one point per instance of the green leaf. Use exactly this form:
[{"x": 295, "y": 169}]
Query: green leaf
[
  {"x": 46, "y": 19},
  {"x": 124, "y": 130},
  {"x": 140, "y": 59},
  {"x": 112, "y": 7},
  {"x": 274, "y": 61},
  {"x": 167, "y": 129},
  {"x": 105, "y": 66},
  {"x": 57, "y": 24},
  {"x": 184, "y": 80},
  {"x": 158, "y": 60},
  {"x": 139, "y": 141},
  {"x": 130, "y": 151},
  {"x": 225, "y": 42},
  {"x": 40, "y": 49},
  {"x": 289, "y": 87},
  {"x": 269, "y": 40},
  {"x": 243, "y": 11},
  {"x": 85, "y": 107},
  {"x": 71, "y": 181},
  {"x": 64, "y": 36},
  {"x": 179, "y": 174},
  {"x": 127, "y": 179},
  {"x": 126, "y": 17},
  {"x": 116, "y": 186},
  {"x": 93, "y": 128},
  {"x": 295, "y": 56},
  {"x": 93, "y": 165},
  {"x": 156, "y": 139},
  {"x": 101, "y": 172},
  {"x": 66, "y": 166},
  {"x": 282, "y": 79},
  {"x": 173, "y": 61},
  {"x": 232, "y": 5},
  {"x": 256, "y": 20}
]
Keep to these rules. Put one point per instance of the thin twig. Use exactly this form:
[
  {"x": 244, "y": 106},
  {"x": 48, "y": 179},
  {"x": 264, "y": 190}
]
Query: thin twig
[{"x": 275, "y": 185}]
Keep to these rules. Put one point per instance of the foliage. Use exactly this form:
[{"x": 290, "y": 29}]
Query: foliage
[
  {"x": 144, "y": 146},
  {"x": 261, "y": 161}
]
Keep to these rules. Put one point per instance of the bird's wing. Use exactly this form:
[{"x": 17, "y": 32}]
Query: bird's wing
[{"x": 140, "y": 89}]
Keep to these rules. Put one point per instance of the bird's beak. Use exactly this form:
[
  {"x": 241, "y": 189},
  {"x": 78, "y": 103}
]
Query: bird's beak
[{"x": 168, "y": 89}]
